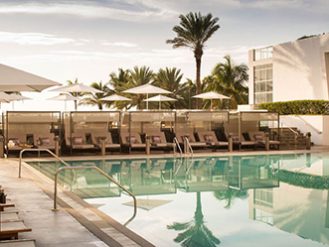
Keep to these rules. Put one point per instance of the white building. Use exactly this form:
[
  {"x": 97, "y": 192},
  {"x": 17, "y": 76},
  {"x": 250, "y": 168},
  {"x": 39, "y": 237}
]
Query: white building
[
  {"x": 296, "y": 70},
  {"x": 290, "y": 71}
]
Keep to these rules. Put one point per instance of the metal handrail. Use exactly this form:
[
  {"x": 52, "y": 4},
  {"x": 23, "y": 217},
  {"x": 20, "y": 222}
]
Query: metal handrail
[
  {"x": 179, "y": 147},
  {"x": 309, "y": 125},
  {"x": 37, "y": 150},
  {"x": 188, "y": 144},
  {"x": 102, "y": 173}
]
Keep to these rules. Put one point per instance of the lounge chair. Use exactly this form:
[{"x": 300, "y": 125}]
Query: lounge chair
[
  {"x": 158, "y": 140},
  {"x": 210, "y": 138},
  {"x": 10, "y": 230},
  {"x": 132, "y": 141},
  {"x": 260, "y": 138},
  {"x": 190, "y": 136},
  {"x": 79, "y": 141},
  {"x": 242, "y": 141},
  {"x": 99, "y": 137}
]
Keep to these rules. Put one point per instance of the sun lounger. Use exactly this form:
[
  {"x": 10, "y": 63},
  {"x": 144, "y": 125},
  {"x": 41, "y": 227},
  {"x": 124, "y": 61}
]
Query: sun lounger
[
  {"x": 18, "y": 243},
  {"x": 133, "y": 140},
  {"x": 241, "y": 141},
  {"x": 260, "y": 138},
  {"x": 79, "y": 141},
  {"x": 158, "y": 139},
  {"x": 6, "y": 205},
  {"x": 99, "y": 137},
  {"x": 7, "y": 217},
  {"x": 210, "y": 138},
  {"x": 10, "y": 230},
  {"x": 190, "y": 136}
]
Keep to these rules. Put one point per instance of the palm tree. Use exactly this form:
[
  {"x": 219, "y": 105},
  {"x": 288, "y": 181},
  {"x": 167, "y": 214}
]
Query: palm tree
[
  {"x": 75, "y": 94},
  {"x": 169, "y": 79},
  {"x": 229, "y": 195},
  {"x": 120, "y": 82},
  {"x": 230, "y": 80},
  {"x": 195, "y": 233},
  {"x": 194, "y": 30},
  {"x": 95, "y": 99},
  {"x": 138, "y": 76}
]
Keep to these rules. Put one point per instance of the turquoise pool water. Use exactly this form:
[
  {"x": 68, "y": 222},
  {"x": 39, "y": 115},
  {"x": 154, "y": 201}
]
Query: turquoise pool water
[{"x": 258, "y": 200}]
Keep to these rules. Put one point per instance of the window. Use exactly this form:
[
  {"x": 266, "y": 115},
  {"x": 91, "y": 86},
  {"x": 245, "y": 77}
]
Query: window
[
  {"x": 263, "y": 53},
  {"x": 263, "y": 83}
]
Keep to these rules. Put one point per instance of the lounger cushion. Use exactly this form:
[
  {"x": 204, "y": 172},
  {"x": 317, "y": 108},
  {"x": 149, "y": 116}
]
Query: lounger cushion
[
  {"x": 208, "y": 138},
  {"x": 156, "y": 139},
  {"x": 259, "y": 137},
  {"x": 13, "y": 142},
  {"x": 77, "y": 140},
  {"x": 45, "y": 141},
  {"x": 131, "y": 139}
]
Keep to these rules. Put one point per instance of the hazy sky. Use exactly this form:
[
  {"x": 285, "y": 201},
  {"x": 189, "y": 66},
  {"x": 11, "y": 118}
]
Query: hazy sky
[{"x": 88, "y": 39}]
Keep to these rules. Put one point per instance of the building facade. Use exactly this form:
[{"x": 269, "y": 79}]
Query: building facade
[{"x": 295, "y": 70}]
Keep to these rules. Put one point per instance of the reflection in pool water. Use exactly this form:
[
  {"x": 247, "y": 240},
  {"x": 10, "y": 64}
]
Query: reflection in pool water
[{"x": 265, "y": 200}]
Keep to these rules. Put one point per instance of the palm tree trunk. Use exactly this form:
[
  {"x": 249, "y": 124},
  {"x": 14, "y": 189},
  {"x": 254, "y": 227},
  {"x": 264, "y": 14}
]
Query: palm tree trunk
[{"x": 198, "y": 79}]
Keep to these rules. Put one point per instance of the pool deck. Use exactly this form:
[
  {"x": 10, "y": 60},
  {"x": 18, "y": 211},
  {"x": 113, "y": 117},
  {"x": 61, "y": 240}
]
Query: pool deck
[{"x": 76, "y": 223}]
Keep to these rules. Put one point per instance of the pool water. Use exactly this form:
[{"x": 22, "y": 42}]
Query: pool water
[{"x": 257, "y": 200}]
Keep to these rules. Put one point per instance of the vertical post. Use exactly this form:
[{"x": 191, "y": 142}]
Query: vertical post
[
  {"x": 57, "y": 145},
  {"x": 55, "y": 191},
  {"x": 148, "y": 144},
  {"x": 230, "y": 143},
  {"x": 308, "y": 140},
  {"x": 103, "y": 146},
  {"x": 267, "y": 142}
]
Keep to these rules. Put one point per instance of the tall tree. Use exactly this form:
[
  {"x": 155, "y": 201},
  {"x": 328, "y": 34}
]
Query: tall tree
[
  {"x": 193, "y": 31},
  {"x": 119, "y": 82},
  {"x": 138, "y": 76},
  {"x": 75, "y": 94},
  {"x": 195, "y": 233},
  {"x": 230, "y": 80},
  {"x": 95, "y": 99},
  {"x": 169, "y": 79}
]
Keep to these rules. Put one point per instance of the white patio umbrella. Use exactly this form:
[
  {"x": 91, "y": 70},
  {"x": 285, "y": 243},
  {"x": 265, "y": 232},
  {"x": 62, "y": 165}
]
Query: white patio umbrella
[
  {"x": 64, "y": 97},
  {"x": 211, "y": 95},
  {"x": 159, "y": 98},
  {"x": 76, "y": 88},
  {"x": 147, "y": 89},
  {"x": 115, "y": 97},
  {"x": 17, "y": 97},
  {"x": 12, "y": 79}
]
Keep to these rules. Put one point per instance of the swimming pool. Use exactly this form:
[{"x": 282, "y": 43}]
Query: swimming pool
[{"x": 255, "y": 200}]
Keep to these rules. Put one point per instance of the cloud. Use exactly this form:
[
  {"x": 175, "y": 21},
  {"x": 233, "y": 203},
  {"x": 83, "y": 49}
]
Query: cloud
[
  {"x": 119, "y": 44},
  {"x": 34, "y": 39},
  {"x": 117, "y": 10}
]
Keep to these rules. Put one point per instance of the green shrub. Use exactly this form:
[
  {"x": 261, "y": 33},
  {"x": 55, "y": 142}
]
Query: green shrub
[{"x": 298, "y": 107}]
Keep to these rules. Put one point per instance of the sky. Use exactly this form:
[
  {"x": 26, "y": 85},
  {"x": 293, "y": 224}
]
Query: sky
[{"x": 89, "y": 39}]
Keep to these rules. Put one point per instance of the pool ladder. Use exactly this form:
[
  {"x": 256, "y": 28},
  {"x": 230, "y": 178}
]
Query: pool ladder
[
  {"x": 69, "y": 167},
  {"x": 187, "y": 147}
]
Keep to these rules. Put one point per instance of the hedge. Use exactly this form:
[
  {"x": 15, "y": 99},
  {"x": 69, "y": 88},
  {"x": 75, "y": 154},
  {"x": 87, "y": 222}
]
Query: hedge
[
  {"x": 298, "y": 107},
  {"x": 303, "y": 180}
]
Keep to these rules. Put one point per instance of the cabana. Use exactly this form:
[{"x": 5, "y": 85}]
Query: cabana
[
  {"x": 32, "y": 130},
  {"x": 260, "y": 127},
  {"x": 148, "y": 129},
  {"x": 92, "y": 130},
  {"x": 203, "y": 128}
]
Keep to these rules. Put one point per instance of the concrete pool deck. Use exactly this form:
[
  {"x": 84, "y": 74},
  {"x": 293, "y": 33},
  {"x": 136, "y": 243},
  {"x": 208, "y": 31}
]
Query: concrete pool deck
[{"x": 76, "y": 223}]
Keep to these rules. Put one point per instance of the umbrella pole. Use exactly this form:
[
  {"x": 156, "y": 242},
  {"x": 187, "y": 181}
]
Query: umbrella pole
[
  {"x": 211, "y": 104},
  {"x": 75, "y": 105},
  {"x": 147, "y": 102},
  {"x": 160, "y": 105}
]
